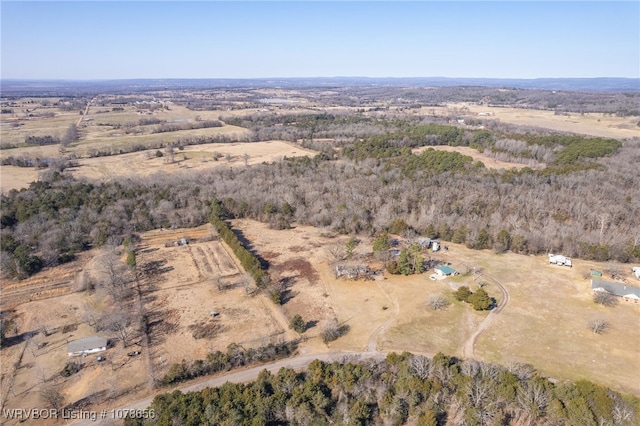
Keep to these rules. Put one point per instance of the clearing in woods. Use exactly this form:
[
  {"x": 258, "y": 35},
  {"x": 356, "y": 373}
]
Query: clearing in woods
[{"x": 545, "y": 322}]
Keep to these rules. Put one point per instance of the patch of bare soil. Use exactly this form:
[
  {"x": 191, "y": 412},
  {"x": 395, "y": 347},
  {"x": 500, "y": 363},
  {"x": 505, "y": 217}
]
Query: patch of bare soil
[
  {"x": 297, "y": 267},
  {"x": 206, "y": 329}
]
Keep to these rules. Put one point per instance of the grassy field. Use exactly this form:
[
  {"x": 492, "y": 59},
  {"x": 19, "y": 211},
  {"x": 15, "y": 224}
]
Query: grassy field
[{"x": 546, "y": 321}]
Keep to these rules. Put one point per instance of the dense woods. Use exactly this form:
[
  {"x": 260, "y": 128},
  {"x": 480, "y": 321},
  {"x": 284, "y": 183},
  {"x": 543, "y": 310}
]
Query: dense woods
[
  {"x": 579, "y": 195},
  {"x": 402, "y": 389},
  {"x": 588, "y": 212}
]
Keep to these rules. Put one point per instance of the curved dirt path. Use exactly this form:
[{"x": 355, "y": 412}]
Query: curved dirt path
[
  {"x": 372, "y": 346},
  {"x": 467, "y": 349},
  {"x": 109, "y": 417}
]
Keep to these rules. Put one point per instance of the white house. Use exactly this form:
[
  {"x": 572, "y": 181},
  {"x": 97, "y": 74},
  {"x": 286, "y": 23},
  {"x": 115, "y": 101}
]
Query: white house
[
  {"x": 627, "y": 292},
  {"x": 445, "y": 271},
  {"x": 87, "y": 345}
]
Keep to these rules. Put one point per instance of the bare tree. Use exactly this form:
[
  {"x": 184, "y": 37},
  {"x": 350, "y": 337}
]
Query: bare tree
[
  {"x": 42, "y": 374},
  {"x": 336, "y": 252},
  {"x": 605, "y": 298},
  {"x": 598, "y": 325},
  {"x": 420, "y": 366},
  {"x": 171, "y": 153},
  {"x": 333, "y": 330},
  {"x": 121, "y": 322},
  {"x": 438, "y": 302},
  {"x": 52, "y": 397},
  {"x": 116, "y": 276},
  {"x": 532, "y": 400}
]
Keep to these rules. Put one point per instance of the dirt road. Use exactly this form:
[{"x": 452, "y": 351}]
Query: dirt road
[
  {"x": 373, "y": 340},
  {"x": 467, "y": 349},
  {"x": 241, "y": 376}
]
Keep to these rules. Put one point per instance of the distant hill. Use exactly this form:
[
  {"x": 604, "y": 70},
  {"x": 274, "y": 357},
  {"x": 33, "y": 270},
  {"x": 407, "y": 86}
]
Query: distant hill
[{"x": 88, "y": 87}]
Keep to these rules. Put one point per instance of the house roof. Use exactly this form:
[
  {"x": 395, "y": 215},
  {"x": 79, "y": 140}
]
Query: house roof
[
  {"x": 617, "y": 289},
  {"x": 86, "y": 344},
  {"x": 446, "y": 270}
]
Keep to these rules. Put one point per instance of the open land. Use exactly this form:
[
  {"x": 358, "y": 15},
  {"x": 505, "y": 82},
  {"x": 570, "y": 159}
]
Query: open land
[
  {"x": 544, "y": 323},
  {"x": 115, "y": 130},
  {"x": 549, "y": 308}
]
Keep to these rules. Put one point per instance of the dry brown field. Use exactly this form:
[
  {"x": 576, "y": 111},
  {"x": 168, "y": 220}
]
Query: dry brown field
[
  {"x": 12, "y": 177},
  {"x": 590, "y": 124},
  {"x": 548, "y": 304},
  {"x": 144, "y": 163},
  {"x": 545, "y": 322},
  {"x": 188, "y": 289}
]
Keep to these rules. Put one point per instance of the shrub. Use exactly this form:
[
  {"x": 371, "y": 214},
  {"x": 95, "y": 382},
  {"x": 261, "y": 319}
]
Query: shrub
[
  {"x": 605, "y": 299},
  {"x": 71, "y": 368},
  {"x": 462, "y": 294},
  {"x": 333, "y": 330},
  {"x": 298, "y": 324}
]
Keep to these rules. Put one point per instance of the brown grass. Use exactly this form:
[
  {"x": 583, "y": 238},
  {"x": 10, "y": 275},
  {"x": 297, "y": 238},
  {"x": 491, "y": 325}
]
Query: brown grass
[
  {"x": 591, "y": 124},
  {"x": 546, "y": 321}
]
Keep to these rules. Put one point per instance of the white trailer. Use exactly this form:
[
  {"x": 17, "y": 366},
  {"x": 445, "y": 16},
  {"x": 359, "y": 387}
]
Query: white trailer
[
  {"x": 560, "y": 260},
  {"x": 636, "y": 271}
]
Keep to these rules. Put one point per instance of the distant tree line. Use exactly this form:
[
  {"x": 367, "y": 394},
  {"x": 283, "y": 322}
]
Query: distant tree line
[
  {"x": 174, "y": 127},
  {"x": 403, "y": 389},
  {"x": 41, "y": 140}
]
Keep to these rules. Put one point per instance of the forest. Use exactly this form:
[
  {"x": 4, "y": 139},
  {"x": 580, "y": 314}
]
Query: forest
[
  {"x": 402, "y": 389},
  {"x": 579, "y": 197}
]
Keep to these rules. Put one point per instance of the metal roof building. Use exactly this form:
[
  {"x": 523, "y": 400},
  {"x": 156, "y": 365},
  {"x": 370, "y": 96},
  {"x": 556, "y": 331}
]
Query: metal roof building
[
  {"x": 87, "y": 345},
  {"x": 617, "y": 289},
  {"x": 446, "y": 270}
]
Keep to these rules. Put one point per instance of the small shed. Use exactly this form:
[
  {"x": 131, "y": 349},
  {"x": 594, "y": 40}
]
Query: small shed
[
  {"x": 87, "y": 345},
  {"x": 445, "y": 271}
]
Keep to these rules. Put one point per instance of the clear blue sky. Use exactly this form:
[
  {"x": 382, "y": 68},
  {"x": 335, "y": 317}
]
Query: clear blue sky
[{"x": 215, "y": 39}]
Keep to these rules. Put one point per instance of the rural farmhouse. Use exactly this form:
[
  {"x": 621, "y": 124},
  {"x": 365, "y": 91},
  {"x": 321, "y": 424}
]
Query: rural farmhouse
[
  {"x": 627, "y": 292},
  {"x": 445, "y": 271},
  {"x": 87, "y": 345}
]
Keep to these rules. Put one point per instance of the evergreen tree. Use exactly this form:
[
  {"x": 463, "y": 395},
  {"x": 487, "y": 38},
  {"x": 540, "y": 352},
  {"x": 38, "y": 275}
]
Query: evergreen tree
[
  {"x": 480, "y": 300},
  {"x": 462, "y": 294}
]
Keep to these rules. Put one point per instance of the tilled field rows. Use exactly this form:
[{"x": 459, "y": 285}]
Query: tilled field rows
[{"x": 213, "y": 260}]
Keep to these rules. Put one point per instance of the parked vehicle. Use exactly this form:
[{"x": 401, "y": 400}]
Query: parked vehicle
[{"x": 560, "y": 260}]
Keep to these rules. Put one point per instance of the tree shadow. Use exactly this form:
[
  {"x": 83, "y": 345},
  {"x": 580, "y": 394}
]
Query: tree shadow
[
  {"x": 18, "y": 338},
  {"x": 264, "y": 263},
  {"x": 155, "y": 268},
  {"x": 311, "y": 324}
]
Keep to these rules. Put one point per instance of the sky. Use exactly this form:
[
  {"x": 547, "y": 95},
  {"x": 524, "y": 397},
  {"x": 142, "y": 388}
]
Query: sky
[{"x": 89, "y": 40}]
